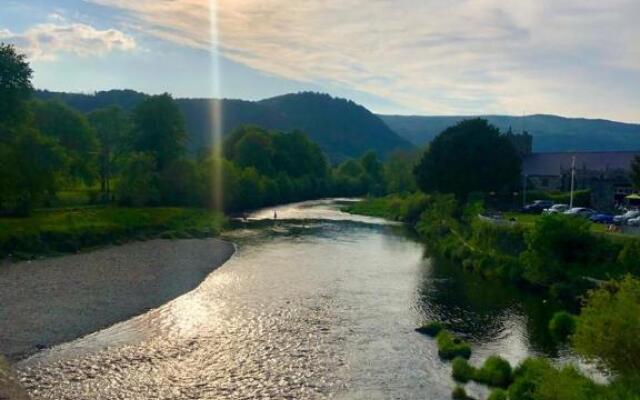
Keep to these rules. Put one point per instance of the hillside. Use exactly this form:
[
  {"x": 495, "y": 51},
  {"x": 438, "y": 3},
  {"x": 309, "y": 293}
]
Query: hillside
[
  {"x": 550, "y": 132},
  {"x": 342, "y": 128}
]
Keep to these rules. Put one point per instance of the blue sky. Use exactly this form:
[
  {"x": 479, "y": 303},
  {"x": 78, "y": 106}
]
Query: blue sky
[{"x": 569, "y": 57}]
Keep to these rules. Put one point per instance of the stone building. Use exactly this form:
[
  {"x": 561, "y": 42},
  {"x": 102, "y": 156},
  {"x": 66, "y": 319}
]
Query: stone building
[{"x": 606, "y": 174}]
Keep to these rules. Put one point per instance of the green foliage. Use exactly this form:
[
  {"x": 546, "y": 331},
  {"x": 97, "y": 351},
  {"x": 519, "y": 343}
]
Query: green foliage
[
  {"x": 581, "y": 198},
  {"x": 459, "y": 393},
  {"x": 15, "y": 87},
  {"x": 450, "y": 347},
  {"x": 159, "y": 128},
  {"x": 432, "y": 328},
  {"x": 48, "y": 232},
  {"x": 498, "y": 394},
  {"x": 138, "y": 184},
  {"x": 496, "y": 371},
  {"x": 398, "y": 172},
  {"x": 555, "y": 243},
  {"x": 178, "y": 183},
  {"x": 562, "y": 325},
  {"x": 609, "y": 326},
  {"x": 462, "y": 371},
  {"x": 451, "y": 163},
  {"x": 629, "y": 257},
  {"x": 111, "y": 126},
  {"x": 71, "y": 130}
]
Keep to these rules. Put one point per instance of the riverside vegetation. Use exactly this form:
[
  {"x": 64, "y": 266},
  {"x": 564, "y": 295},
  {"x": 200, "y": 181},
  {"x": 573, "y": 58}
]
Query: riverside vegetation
[
  {"x": 70, "y": 180},
  {"x": 594, "y": 274}
]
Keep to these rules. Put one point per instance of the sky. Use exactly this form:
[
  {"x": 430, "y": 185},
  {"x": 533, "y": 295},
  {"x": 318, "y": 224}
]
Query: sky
[{"x": 578, "y": 58}]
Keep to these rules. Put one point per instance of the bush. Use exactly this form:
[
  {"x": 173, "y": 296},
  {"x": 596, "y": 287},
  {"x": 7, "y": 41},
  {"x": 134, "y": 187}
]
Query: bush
[
  {"x": 459, "y": 393},
  {"x": 496, "y": 371},
  {"x": 462, "y": 371},
  {"x": 562, "y": 325},
  {"x": 608, "y": 326},
  {"x": 432, "y": 328},
  {"x": 450, "y": 347},
  {"x": 498, "y": 394}
]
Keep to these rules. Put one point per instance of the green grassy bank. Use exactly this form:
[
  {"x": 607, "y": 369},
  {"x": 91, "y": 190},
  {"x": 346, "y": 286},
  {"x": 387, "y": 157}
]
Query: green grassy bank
[{"x": 50, "y": 232}]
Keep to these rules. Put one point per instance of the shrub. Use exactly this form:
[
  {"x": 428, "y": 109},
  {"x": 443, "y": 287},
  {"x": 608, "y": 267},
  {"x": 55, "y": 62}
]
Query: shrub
[
  {"x": 462, "y": 371},
  {"x": 459, "y": 393},
  {"x": 450, "y": 347},
  {"x": 496, "y": 371},
  {"x": 629, "y": 257},
  {"x": 562, "y": 325},
  {"x": 498, "y": 394},
  {"x": 608, "y": 326},
  {"x": 431, "y": 328}
]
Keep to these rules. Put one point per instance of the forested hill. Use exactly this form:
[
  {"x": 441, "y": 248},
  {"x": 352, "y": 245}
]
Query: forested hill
[
  {"x": 550, "y": 132},
  {"x": 342, "y": 128}
]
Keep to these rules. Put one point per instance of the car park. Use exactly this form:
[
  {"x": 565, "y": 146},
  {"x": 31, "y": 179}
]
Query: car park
[
  {"x": 537, "y": 206},
  {"x": 602, "y": 218},
  {"x": 556, "y": 209},
  {"x": 623, "y": 218},
  {"x": 580, "y": 212}
]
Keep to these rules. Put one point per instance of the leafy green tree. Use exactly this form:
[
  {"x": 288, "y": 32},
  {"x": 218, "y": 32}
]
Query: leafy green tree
[
  {"x": 178, "y": 183},
  {"x": 471, "y": 156},
  {"x": 609, "y": 327},
  {"x": 111, "y": 126},
  {"x": 71, "y": 130},
  {"x": 159, "y": 128},
  {"x": 138, "y": 184},
  {"x": 15, "y": 87},
  {"x": 398, "y": 172}
]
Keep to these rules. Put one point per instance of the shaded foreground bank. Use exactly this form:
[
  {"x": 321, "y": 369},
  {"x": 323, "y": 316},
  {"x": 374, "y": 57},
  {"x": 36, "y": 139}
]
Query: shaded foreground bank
[{"x": 51, "y": 301}]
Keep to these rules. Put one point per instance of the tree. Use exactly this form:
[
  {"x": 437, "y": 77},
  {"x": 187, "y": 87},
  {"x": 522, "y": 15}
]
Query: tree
[
  {"x": 471, "y": 156},
  {"x": 635, "y": 172},
  {"x": 15, "y": 86},
  {"x": 111, "y": 126},
  {"x": 609, "y": 326},
  {"x": 138, "y": 184},
  {"x": 159, "y": 128},
  {"x": 71, "y": 130},
  {"x": 398, "y": 172}
]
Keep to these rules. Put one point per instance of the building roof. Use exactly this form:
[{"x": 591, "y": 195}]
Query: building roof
[{"x": 553, "y": 164}]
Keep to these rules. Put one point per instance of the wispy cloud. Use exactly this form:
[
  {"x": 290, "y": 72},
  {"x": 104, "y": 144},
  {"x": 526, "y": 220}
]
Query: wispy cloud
[
  {"x": 575, "y": 57},
  {"x": 47, "y": 41}
]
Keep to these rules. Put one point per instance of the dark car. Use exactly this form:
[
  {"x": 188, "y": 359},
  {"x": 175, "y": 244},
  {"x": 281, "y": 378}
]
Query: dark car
[
  {"x": 537, "y": 206},
  {"x": 602, "y": 218}
]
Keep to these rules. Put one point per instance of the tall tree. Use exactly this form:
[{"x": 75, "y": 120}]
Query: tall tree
[
  {"x": 111, "y": 126},
  {"x": 15, "y": 86},
  {"x": 471, "y": 156},
  {"x": 71, "y": 130},
  {"x": 29, "y": 162},
  {"x": 159, "y": 128}
]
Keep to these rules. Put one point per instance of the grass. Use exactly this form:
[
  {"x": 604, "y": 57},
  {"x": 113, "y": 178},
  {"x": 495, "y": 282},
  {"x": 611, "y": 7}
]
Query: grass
[
  {"x": 528, "y": 220},
  {"x": 450, "y": 347},
  {"x": 69, "y": 230}
]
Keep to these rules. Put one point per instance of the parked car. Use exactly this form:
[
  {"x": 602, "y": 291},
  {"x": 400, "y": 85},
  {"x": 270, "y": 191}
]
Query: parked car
[
  {"x": 537, "y": 206},
  {"x": 623, "y": 218},
  {"x": 602, "y": 218},
  {"x": 580, "y": 212},
  {"x": 556, "y": 209},
  {"x": 634, "y": 221}
]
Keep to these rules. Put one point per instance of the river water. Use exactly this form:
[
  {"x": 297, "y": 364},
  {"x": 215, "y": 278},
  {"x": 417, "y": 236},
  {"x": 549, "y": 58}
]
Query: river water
[{"x": 318, "y": 304}]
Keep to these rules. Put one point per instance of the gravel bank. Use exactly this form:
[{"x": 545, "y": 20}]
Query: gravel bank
[{"x": 51, "y": 301}]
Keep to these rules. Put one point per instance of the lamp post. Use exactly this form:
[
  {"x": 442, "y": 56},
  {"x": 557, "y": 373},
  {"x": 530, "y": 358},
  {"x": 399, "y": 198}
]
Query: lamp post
[{"x": 573, "y": 180}]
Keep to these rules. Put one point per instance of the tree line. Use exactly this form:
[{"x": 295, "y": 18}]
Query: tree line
[{"x": 140, "y": 157}]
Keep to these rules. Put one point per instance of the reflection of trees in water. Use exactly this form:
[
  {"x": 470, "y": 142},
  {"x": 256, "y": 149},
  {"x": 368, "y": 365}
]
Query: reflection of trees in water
[{"x": 483, "y": 309}]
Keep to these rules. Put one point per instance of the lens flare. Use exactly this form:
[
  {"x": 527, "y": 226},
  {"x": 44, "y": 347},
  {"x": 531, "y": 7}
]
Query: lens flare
[{"x": 216, "y": 111}]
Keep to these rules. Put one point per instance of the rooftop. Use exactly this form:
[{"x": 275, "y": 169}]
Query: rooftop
[{"x": 553, "y": 164}]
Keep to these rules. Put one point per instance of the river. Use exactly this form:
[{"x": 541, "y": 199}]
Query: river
[{"x": 318, "y": 304}]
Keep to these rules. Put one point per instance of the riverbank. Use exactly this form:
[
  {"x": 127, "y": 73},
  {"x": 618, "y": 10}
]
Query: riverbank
[
  {"x": 51, "y": 301},
  {"x": 61, "y": 231}
]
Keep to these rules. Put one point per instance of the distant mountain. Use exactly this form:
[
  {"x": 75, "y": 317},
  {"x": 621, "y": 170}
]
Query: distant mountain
[
  {"x": 550, "y": 132},
  {"x": 342, "y": 128}
]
